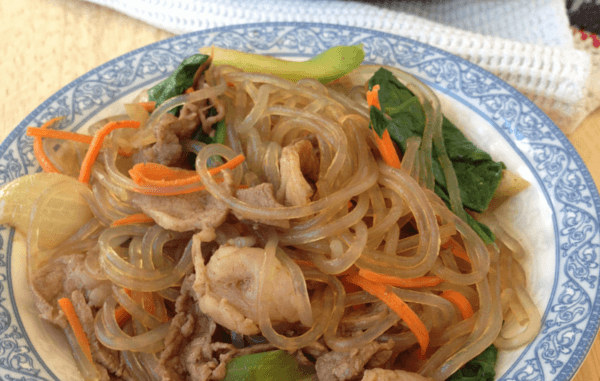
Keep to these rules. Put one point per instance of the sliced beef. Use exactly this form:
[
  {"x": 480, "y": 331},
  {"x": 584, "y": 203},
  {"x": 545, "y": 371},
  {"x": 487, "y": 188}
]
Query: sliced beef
[
  {"x": 186, "y": 212},
  {"x": 169, "y": 131},
  {"x": 59, "y": 278},
  {"x": 262, "y": 195},
  {"x": 189, "y": 353},
  {"x": 341, "y": 366}
]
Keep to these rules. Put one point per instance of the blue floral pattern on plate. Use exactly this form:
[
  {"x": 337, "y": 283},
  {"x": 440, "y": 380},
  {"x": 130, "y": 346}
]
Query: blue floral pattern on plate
[{"x": 571, "y": 318}]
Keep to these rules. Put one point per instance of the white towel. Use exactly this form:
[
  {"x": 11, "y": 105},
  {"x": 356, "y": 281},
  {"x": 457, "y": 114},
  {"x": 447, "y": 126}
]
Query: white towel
[{"x": 527, "y": 43}]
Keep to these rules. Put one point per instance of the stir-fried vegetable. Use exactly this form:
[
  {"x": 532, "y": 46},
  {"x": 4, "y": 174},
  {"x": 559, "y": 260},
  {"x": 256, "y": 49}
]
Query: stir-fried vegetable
[
  {"x": 424, "y": 281},
  {"x": 477, "y": 174},
  {"x": 179, "y": 81},
  {"x": 328, "y": 66},
  {"x": 481, "y": 368},
  {"x": 160, "y": 176},
  {"x": 67, "y": 307},
  {"x": 460, "y": 301},
  {"x": 64, "y": 135},
  {"x": 397, "y": 305},
  {"x": 382, "y": 138},
  {"x": 268, "y": 366},
  {"x": 139, "y": 218},
  {"x": 96, "y": 145}
]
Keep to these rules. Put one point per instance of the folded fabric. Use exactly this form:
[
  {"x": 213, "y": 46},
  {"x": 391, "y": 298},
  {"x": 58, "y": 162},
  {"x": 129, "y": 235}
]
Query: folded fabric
[{"x": 527, "y": 43}]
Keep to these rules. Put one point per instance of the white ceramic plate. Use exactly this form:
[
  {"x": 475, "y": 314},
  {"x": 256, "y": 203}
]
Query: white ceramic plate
[{"x": 557, "y": 218}]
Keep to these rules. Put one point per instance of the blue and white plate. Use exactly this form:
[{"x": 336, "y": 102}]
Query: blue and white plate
[{"x": 556, "y": 218}]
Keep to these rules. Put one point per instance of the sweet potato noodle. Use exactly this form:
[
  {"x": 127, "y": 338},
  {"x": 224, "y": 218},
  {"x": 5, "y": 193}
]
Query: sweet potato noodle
[{"x": 358, "y": 213}]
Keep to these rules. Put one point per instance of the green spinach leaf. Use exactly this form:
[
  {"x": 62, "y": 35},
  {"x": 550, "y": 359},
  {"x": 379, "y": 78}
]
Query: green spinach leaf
[
  {"x": 478, "y": 175},
  {"x": 268, "y": 366},
  {"x": 481, "y": 368},
  {"x": 179, "y": 81}
]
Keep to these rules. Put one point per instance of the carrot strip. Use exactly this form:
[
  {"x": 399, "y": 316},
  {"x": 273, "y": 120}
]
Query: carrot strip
[
  {"x": 384, "y": 143},
  {"x": 148, "y": 106},
  {"x": 94, "y": 150},
  {"x": 67, "y": 307},
  {"x": 57, "y": 134},
  {"x": 139, "y": 218},
  {"x": 424, "y": 281},
  {"x": 160, "y": 176},
  {"x": 460, "y": 301},
  {"x": 38, "y": 149},
  {"x": 302, "y": 262},
  {"x": 65, "y": 135},
  {"x": 387, "y": 149},
  {"x": 122, "y": 316},
  {"x": 373, "y": 97},
  {"x": 148, "y": 303},
  {"x": 189, "y": 90},
  {"x": 397, "y": 305},
  {"x": 456, "y": 249}
]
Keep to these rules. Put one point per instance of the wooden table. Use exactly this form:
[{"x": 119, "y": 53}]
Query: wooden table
[{"x": 45, "y": 44}]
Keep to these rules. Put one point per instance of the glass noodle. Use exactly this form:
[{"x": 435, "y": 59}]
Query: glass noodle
[{"x": 363, "y": 214}]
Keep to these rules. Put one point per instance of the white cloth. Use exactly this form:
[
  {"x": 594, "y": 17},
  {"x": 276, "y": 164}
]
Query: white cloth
[{"x": 527, "y": 43}]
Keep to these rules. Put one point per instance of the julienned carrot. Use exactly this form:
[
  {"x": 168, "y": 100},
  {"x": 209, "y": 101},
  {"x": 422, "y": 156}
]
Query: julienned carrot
[
  {"x": 189, "y": 90},
  {"x": 139, "y": 218},
  {"x": 456, "y": 249},
  {"x": 460, "y": 301},
  {"x": 386, "y": 295},
  {"x": 94, "y": 150},
  {"x": 373, "y": 97},
  {"x": 38, "y": 149},
  {"x": 148, "y": 303},
  {"x": 64, "y": 135},
  {"x": 148, "y": 106},
  {"x": 159, "y": 177},
  {"x": 122, "y": 316},
  {"x": 384, "y": 143},
  {"x": 67, "y": 307},
  {"x": 57, "y": 134},
  {"x": 424, "y": 281}
]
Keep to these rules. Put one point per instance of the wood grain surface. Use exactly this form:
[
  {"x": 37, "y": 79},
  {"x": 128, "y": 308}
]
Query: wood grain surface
[{"x": 45, "y": 44}]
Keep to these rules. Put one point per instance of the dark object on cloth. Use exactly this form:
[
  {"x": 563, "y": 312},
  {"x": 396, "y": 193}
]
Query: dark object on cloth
[{"x": 585, "y": 14}]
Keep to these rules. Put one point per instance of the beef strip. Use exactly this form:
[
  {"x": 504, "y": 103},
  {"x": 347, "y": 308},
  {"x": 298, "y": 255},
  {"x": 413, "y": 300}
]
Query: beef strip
[
  {"x": 59, "y": 278},
  {"x": 189, "y": 353},
  {"x": 186, "y": 212},
  {"x": 169, "y": 131},
  {"x": 392, "y": 375},
  {"x": 341, "y": 366},
  {"x": 261, "y": 195}
]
